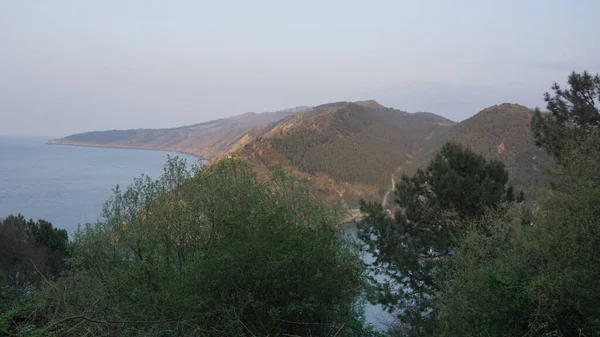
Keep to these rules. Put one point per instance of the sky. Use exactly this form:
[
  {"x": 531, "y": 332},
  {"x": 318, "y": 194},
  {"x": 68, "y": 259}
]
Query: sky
[{"x": 69, "y": 66}]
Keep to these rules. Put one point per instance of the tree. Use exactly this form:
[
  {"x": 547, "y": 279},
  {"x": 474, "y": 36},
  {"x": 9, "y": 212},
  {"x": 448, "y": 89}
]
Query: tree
[
  {"x": 537, "y": 272},
  {"x": 457, "y": 185},
  {"x": 29, "y": 251},
  {"x": 211, "y": 252},
  {"x": 532, "y": 274},
  {"x": 572, "y": 112}
]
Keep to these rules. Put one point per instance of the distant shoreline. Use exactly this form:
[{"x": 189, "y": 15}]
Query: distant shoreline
[{"x": 51, "y": 142}]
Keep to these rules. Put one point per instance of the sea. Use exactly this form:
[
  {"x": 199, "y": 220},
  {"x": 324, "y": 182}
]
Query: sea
[{"x": 67, "y": 185}]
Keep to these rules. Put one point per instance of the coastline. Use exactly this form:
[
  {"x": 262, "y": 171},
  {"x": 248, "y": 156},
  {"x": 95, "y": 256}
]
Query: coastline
[
  {"x": 350, "y": 217},
  {"x": 108, "y": 146}
]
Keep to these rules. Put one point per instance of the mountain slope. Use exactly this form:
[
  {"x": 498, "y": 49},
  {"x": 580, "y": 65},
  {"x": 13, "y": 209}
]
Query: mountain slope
[
  {"x": 348, "y": 151},
  {"x": 204, "y": 140},
  {"x": 502, "y": 132}
]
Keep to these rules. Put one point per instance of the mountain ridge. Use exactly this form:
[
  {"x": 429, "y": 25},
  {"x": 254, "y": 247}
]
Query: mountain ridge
[
  {"x": 346, "y": 150},
  {"x": 350, "y": 151}
]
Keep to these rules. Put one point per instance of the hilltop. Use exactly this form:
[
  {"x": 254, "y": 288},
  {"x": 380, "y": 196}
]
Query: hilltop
[{"x": 502, "y": 132}]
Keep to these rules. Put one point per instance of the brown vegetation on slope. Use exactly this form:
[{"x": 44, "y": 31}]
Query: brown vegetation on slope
[
  {"x": 348, "y": 151},
  {"x": 502, "y": 132},
  {"x": 205, "y": 140}
]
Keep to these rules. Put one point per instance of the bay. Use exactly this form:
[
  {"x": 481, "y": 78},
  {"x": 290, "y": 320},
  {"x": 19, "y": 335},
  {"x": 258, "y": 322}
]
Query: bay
[{"x": 68, "y": 185}]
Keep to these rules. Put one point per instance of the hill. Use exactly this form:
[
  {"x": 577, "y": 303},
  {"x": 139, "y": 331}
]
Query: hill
[
  {"x": 349, "y": 151},
  {"x": 502, "y": 132},
  {"x": 346, "y": 150},
  {"x": 204, "y": 140}
]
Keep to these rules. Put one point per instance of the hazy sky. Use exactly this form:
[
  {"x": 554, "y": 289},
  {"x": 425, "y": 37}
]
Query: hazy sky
[{"x": 74, "y": 66}]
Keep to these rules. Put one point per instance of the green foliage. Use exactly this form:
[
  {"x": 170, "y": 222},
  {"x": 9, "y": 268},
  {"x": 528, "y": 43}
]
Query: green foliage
[
  {"x": 339, "y": 141},
  {"x": 457, "y": 185},
  {"x": 44, "y": 234},
  {"x": 25, "y": 319},
  {"x": 210, "y": 252},
  {"x": 573, "y": 112},
  {"x": 480, "y": 295},
  {"x": 342, "y": 138},
  {"x": 532, "y": 274},
  {"x": 502, "y": 133},
  {"x": 352, "y": 137},
  {"x": 536, "y": 272},
  {"x": 29, "y": 252}
]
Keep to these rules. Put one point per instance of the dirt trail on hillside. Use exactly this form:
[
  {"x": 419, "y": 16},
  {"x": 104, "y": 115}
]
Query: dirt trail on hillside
[{"x": 385, "y": 197}]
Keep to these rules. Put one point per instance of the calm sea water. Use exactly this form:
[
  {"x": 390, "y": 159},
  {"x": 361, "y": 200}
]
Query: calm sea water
[{"x": 67, "y": 185}]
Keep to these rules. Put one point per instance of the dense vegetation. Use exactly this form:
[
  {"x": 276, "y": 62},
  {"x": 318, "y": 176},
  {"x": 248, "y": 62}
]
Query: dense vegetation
[
  {"x": 573, "y": 113},
  {"x": 410, "y": 249},
  {"x": 219, "y": 252},
  {"x": 502, "y": 133},
  {"x": 341, "y": 147},
  {"x": 536, "y": 276},
  {"x": 515, "y": 269},
  {"x": 340, "y": 142},
  {"x": 29, "y": 252},
  {"x": 211, "y": 252}
]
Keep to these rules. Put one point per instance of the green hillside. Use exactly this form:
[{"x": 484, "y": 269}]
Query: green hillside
[{"x": 350, "y": 151}]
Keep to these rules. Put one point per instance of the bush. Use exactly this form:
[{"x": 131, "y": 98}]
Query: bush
[
  {"x": 535, "y": 275},
  {"x": 210, "y": 252}
]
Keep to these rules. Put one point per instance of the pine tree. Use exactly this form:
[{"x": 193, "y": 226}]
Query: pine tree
[
  {"x": 572, "y": 112},
  {"x": 457, "y": 185}
]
